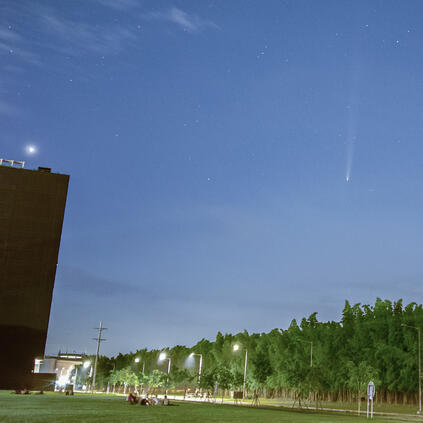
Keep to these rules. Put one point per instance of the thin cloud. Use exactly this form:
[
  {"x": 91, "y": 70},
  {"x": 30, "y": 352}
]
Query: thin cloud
[
  {"x": 7, "y": 35},
  {"x": 118, "y": 4},
  {"x": 186, "y": 21},
  {"x": 80, "y": 36},
  {"x": 11, "y": 45},
  {"x": 8, "y": 110}
]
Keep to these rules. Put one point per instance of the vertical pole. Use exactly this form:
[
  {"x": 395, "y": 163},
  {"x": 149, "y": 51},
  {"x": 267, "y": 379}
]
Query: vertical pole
[
  {"x": 199, "y": 368},
  {"x": 371, "y": 412},
  {"x": 143, "y": 374},
  {"x": 367, "y": 414},
  {"x": 311, "y": 354},
  {"x": 76, "y": 375},
  {"x": 168, "y": 371},
  {"x": 245, "y": 373},
  {"x": 420, "y": 374},
  {"x": 98, "y": 339},
  {"x": 96, "y": 355}
]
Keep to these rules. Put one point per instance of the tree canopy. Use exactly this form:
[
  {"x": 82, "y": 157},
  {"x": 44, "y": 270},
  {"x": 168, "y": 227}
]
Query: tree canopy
[{"x": 367, "y": 342}]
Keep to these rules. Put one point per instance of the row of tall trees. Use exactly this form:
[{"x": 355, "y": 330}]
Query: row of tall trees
[{"x": 328, "y": 360}]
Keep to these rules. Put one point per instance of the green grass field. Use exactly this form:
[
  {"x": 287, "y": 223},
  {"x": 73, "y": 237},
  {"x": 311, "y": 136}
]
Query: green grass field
[{"x": 83, "y": 408}]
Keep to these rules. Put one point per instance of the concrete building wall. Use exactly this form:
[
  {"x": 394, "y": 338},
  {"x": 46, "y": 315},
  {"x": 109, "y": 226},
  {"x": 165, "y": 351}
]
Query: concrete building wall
[{"x": 32, "y": 205}]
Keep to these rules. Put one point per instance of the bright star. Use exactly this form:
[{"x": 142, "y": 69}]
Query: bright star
[{"x": 31, "y": 149}]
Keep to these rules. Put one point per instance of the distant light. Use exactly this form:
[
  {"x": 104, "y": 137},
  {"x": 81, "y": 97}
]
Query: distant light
[
  {"x": 87, "y": 364},
  {"x": 137, "y": 360},
  {"x": 235, "y": 347},
  {"x": 62, "y": 381},
  {"x": 31, "y": 149},
  {"x": 162, "y": 356},
  {"x": 191, "y": 355}
]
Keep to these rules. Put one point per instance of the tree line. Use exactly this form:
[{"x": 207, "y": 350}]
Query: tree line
[{"x": 331, "y": 361}]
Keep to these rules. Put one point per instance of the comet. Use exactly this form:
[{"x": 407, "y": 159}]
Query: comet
[
  {"x": 350, "y": 157},
  {"x": 351, "y": 131}
]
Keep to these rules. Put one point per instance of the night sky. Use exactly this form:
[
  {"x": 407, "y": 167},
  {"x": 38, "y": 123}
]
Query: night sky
[{"x": 234, "y": 164}]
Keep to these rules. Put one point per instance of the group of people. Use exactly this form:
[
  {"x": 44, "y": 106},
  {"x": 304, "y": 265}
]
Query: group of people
[
  {"x": 26, "y": 392},
  {"x": 197, "y": 394},
  {"x": 133, "y": 399},
  {"x": 22, "y": 391}
]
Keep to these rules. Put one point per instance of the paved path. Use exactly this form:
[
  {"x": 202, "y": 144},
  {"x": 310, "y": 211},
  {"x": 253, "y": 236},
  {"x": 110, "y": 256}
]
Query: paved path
[{"x": 402, "y": 416}]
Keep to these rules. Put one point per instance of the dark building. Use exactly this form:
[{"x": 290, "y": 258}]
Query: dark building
[{"x": 32, "y": 205}]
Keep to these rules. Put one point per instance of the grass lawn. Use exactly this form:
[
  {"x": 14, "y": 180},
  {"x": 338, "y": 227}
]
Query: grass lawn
[{"x": 83, "y": 408}]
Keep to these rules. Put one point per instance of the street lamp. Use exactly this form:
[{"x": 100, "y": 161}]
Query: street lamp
[
  {"x": 137, "y": 360},
  {"x": 311, "y": 351},
  {"x": 200, "y": 366},
  {"x": 420, "y": 366},
  {"x": 86, "y": 364},
  {"x": 235, "y": 348},
  {"x": 162, "y": 357}
]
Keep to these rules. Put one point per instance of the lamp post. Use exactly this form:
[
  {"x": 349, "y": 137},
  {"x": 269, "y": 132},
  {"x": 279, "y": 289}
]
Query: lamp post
[
  {"x": 200, "y": 365},
  {"x": 420, "y": 365},
  {"x": 137, "y": 360},
  {"x": 163, "y": 356},
  {"x": 311, "y": 351},
  {"x": 85, "y": 366},
  {"x": 236, "y": 348}
]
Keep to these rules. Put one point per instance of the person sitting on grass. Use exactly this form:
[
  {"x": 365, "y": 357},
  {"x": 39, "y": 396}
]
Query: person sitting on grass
[
  {"x": 145, "y": 401},
  {"x": 132, "y": 398}
]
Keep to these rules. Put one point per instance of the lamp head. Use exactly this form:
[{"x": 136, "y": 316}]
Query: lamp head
[
  {"x": 137, "y": 360},
  {"x": 87, "y": 364},
  {"x": 162, "y": 356},
  {"x": 235, "y": 347}
]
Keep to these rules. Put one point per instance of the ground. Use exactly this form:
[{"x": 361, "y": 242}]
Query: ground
[{"x": 59, "y": 408}]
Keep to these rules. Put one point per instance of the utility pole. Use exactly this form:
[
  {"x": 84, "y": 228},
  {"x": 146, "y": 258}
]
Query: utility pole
[{"x": 99, "y": 339}]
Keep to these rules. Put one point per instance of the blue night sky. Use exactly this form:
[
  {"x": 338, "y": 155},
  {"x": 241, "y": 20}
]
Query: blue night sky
[{"x": 234, "y": 164}]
